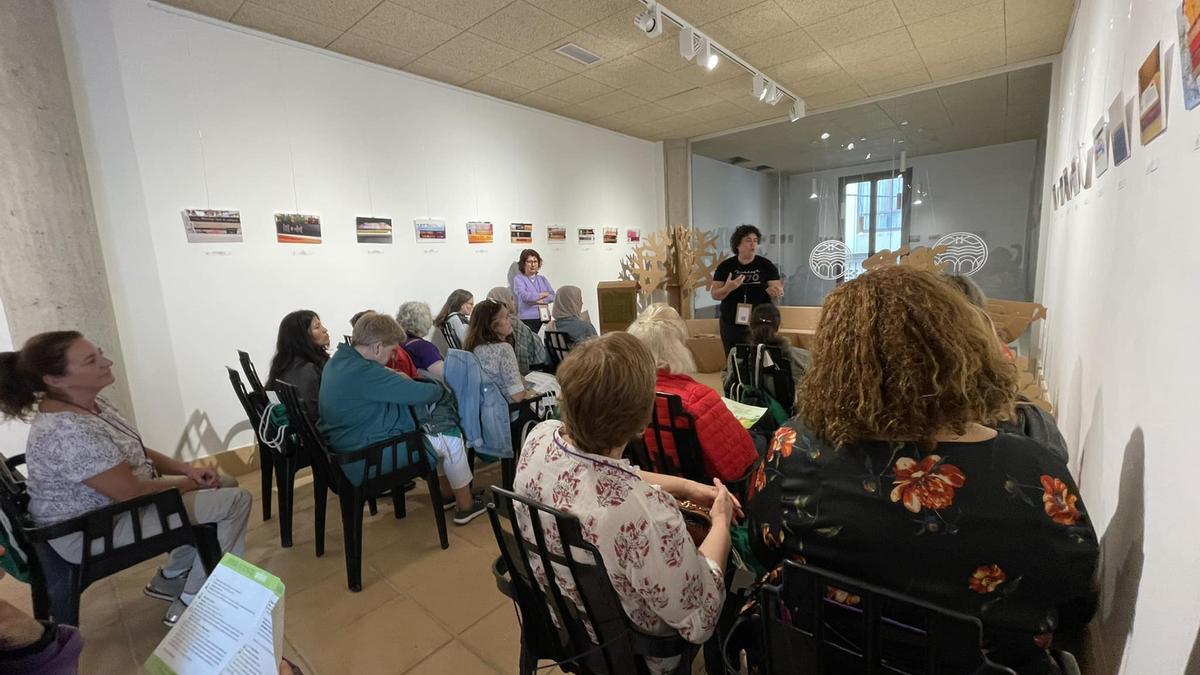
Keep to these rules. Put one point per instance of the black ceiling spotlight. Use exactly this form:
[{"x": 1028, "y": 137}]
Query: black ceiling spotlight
[{"x": 649, "y": 21}]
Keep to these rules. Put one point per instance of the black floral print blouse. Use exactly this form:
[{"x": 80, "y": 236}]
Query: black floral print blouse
[{"x": 994, "y": 529}]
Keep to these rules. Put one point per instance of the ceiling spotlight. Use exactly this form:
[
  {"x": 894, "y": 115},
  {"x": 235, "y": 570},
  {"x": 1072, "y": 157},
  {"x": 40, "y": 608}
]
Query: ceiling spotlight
[
  {"x": 814, "y": 189},
  {"x": 868, "y": 156},
  {"x": 903, "y": 123},
  {"x": 863, "y": 138},
  {"x": 825, "y": 136},
  {"x": 687, "y": 43},
  {"x": 649, "y": 21},
  {"x": 708, "y": 57},
  {"x": 760, "y": 87},
  {"x": 850, "y": 146},
  {"x": 773, "y": 94},
  {"x": 799, "y": 109}
]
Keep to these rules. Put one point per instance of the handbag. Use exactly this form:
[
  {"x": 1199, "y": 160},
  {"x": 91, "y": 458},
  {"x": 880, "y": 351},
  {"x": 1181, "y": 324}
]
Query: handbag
[{"x": 697, "y": 520}]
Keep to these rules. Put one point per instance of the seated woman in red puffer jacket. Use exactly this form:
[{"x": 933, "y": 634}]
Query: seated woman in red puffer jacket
[{"x": 727, "y": 449}]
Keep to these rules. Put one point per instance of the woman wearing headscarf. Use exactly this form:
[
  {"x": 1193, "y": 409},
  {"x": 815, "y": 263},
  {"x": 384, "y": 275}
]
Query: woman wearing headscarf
[
  {"x": 568, "y": 316},
  {"x": 530, "y": 350}
]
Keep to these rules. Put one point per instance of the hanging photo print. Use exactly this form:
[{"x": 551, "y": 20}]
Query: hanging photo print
[
  {"x": 610, "y": 235},
  {"x": 520, "y": 233},
  {"x": 1151, "y": 96},
  {"x": 212, "y": 226},
  {"x": 373, "y": 230},
  {"x": 1189, "y": 51},
  {"x": 297, "y": 228},
  {"x": 587, "y": 235},
  {"x": 557, "y": 235},
  {"x": 1118, "y": 135},
  {"x": 479, "y": 232},
  {"x": 1100, "y": 147},
  {"x": 633, "y": 235},
  {"x": 431, "y": 231}
]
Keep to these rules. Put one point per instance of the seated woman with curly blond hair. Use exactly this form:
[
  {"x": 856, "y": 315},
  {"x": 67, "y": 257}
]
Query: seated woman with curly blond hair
[{"x": 892, "y": 474}]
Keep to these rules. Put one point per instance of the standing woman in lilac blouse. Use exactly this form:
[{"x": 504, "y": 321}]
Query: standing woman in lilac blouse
[{"x": 532, "y": 290}]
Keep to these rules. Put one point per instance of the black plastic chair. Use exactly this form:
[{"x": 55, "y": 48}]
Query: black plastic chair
[
  {"x": 619, "y": 647},
  {"x": 57, "y": 584},
  {"x": 450, "y": 336},
  {"x": 285, "y": 460},
  {"x": 266, "y": 465},
  {"x": 329, "y": 471},
  {"x": 557, "y": 346},
  {"x": 762, "y": 368},
  {"x": 522, "y": 415},
  {"x": 348, "y": 340},
  {"x": 819, "y": 622},
  {"x": 670, "y": 422}
]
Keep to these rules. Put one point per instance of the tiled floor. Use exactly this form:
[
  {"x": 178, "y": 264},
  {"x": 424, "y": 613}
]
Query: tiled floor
[{"x": 421, "y": 610}]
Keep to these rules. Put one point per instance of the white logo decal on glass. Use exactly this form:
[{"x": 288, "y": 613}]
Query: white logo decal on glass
[
  {"x": 829, "y": 259},
  {"x": 966, "y": 253}
]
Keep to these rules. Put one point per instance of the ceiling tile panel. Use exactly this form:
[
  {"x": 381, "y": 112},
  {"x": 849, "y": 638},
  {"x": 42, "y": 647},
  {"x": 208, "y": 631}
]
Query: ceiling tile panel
[
  {"x": 809, "y": 12},
  {"x": 471, "y": 52},
  {"x": 622, "y": 72},
  {"x": 458, "y": 13},
  {"x": 698, "y": 12},
  {"x": 530, "y": 72},
  {"x": 619, "y": 30},
  {"x": 983, "y": 17},
  {"x": 218, "y": 9},
  {"x": 718, "y": 110},
  {"x": 587, "y": 12},
  {"x": 436, "y": 70},
  {"x": 791, "y": 45},
  {"x": 902, "y": 62},
  {"x": 872, "y": 19},
  {"x": 642, "y": 114},
  {"x": 690, "y": 100},
  {"x": 883, "y": 85},
  {"x": 523, "y": 27},
  {"x": 401, "y": 27},
  {"x": 536, "y": 99},
  {"x": 370, "y": 50},
  {"x": 664, "y": 54},
  {"x": 818, "y": 65},
  {"x": 749, "y": 26},
  {"x": 339, "y": 14},
  {"x": 914, "y": 11},
  {"x": 576, "y": 89},
  {"x": 495, "y": 87},
  {"x": 1033, "y": 50},
  {"x": 1021, "y": 10},
  {"x": 608, "y": 104},
  {"x": 1036, "y": 30},
  {"x": 657, "y": 85},
  {"x": 875, "y": 48},
  {"x": 986, "y": 44},
  {"x": 284, "y": 25}
]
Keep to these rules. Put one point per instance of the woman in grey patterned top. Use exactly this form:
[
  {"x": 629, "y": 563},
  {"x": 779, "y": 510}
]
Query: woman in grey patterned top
[{"x": 83, "y": 455}]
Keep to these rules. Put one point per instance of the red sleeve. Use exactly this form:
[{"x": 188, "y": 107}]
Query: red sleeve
[{"x": 727, "y": 447}]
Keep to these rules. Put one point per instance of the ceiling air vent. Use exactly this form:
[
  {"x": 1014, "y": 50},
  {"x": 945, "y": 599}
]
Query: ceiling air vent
[{"x": 575, "y": 52}]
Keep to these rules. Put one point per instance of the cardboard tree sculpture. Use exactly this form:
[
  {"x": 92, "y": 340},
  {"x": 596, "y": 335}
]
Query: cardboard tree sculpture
[{"x": 679, "y": 259}]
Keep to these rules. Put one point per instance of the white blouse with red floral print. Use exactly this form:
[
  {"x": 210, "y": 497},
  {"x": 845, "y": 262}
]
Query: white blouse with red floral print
[{"x": 664, "y": 583}]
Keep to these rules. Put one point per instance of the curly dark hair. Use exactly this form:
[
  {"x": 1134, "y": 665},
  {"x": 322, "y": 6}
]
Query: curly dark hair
[
  {"x": 741, "y": 233},
  {"x": 900, "y": 355}
]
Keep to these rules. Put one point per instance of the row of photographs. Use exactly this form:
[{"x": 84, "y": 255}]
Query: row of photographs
[
  {"x": 210, "y": 226},
  {"x": 1111, "y": 133}
]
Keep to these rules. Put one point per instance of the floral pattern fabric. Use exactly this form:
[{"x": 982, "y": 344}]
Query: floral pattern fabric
[
  {"x": 995, "y": 529},
  {"x": 664, "y": 583}
]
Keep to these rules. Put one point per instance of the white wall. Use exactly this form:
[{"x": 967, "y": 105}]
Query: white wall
[
  {"x": 1120, "y": 337},
  {"x": 179, "y": 112},
  {"x": 12, "y": 433},
  {"x": 982, "y": 190},
  {"x": 725, "y": 196}
]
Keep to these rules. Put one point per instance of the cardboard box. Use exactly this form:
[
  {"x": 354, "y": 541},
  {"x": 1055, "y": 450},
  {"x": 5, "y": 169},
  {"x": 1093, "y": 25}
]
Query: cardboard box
[
  {"x": 704, "y": 339},
  {"x": 1012, "y": 317},
  {"x": 617, "y": 302}
]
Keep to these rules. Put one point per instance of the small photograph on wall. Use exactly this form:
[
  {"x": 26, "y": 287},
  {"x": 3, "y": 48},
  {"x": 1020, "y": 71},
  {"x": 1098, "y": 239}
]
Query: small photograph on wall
[
  {"x": 610, "y": 235},
  {"x": 1153, "y": 116},
  {"x": 633, "y": 235},
  {"x": 1065, "y": 181},
  {"x": 297, "y": 228},
  {"x": 1189, "y": 51},
  {"x": 1118, "y": 135},
  {"x": 373, "y": 230},
  {"x": 557, "y": 235},
  {"x": 480, "y": 232},
  {"x": 1054, "y": 195},
  {"x": 212, "y": 226},
  {"x": 1100, "y": 147},
  {"x": 432, "y": 231},
  {"x": 1075, "y": 187},
  {"x": 520, "y": 233},
  {"x": 587, "y": 235}
]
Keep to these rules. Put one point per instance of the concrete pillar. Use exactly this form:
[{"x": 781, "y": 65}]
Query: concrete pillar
[{"x": 52, "y": 274}]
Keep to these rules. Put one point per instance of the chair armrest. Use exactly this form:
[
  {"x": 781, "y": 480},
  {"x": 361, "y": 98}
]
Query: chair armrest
[
  {"x": 373, "y": 453},
  {"x": 517, "y": 405},
  {"x": 15, "y": 461},
  {"x": 99, "y": 523}
]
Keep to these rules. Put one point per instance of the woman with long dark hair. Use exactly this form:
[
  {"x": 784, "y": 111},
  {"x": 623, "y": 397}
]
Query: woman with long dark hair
[
  {"x": 456, "y": 313},
  {"x": 301, "y": 351}
]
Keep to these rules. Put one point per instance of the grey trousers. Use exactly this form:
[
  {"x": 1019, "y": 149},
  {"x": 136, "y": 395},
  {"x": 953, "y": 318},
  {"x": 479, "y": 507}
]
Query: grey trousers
[{"x": 228, "y": 506}]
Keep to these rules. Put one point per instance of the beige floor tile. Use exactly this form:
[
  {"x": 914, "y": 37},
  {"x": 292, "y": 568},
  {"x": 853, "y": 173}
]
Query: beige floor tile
[
  {"x": 411, "y": 562},
  {"x": 389, "y": 639},
  {"x": 496, "y": 639},
  {"x": 478, "y": 532},
  {"x": 452, "y": 658},
  {"x": 106, "y": 651},
  {"x": 314, "y": 614},
  {"x": 16, "y": 594},
  {"x": 459, "y": 593}
]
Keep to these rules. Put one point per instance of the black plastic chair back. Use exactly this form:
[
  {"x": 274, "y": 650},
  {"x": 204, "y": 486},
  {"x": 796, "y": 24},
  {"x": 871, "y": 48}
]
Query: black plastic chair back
[
  {"x": 451, "y": 337},
  {"x": 822, "y": 623},
  {"x": 766, "y": 368},
  {"x": 557, "y": 346},
  {"x": 254, "y": 406},
  {"x": 256, "y": 384},
  {"x": 671, "y": 424},
  {"x": 310, "y": 437},
  {"x": 57, "y": 584},
  {"x": 619, "y": 647},
  {"x": 348, "y": 340}
]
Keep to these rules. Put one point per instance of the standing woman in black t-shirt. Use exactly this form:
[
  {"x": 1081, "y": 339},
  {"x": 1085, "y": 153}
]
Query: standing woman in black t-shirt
[{"x": 742, "y": 281}]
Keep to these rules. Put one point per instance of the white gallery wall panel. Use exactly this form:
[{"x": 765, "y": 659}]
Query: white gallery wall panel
[{"x": 182, "y": 112}]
